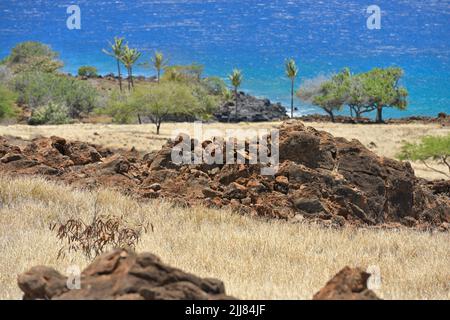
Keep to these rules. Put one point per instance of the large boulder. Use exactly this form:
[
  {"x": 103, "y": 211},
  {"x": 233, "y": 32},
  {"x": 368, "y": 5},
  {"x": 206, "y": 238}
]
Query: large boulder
[
  {"x": 119, "y": 275},
  {"x": 347, "y": 284}
]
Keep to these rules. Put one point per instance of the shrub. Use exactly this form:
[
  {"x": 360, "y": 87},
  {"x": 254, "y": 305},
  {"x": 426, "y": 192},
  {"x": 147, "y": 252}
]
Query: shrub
[
  {"x": 214, "y": 85},
  {"x": 436, "y": 148},
  {"x": 38, "y": 89},
  {"x": 7, "y": 103},
  {"x": 50, "y": 114},
  {"x": 33, "y": 56},
  {"x": 119, "y": 108},
  {"x": 87, "y": 71},
  {"x": 102, "y": 234}
]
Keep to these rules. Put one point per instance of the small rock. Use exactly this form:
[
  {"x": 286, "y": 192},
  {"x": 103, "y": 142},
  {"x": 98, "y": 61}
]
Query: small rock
[
  {"x": 308, "y": 205},
  {"x": 155, "y": 186},
  {"x": 235, "y": 191},
  {"x": 11, "y": 157}
]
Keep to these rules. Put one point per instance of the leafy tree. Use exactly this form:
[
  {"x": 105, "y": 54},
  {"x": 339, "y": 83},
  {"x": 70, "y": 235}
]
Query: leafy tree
[
  {"x": 383, "y": 91},
  {"x": 129, "y": 58},
  {"x": 87, "y": 71},
  {"x": 357, "y": 98},
  {"x": 436, "y": 148},
  {"x": 33, "y": 56},
  {"x": 160, "y": 101},
  {"x": 328, "y": 94},
  {"x": 7, "y": 103},
  {"x": 214, "y": 85},
  {"x": 236, "y": 80},
  {"x": 291, "y": 73},
  {"x": 159, "y": 63},
  {"x": 116, "y": 52}
]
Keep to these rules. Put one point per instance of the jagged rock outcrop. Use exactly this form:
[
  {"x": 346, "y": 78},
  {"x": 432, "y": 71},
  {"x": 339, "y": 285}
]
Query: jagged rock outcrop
[
  {"x": 121, "y": 275},
  {"x": 250, "y": 109}
]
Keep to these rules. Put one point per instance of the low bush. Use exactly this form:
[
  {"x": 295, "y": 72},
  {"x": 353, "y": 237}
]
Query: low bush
[
  {"x": 50, "y": 114},
  {"x": 37, "y": 89}
]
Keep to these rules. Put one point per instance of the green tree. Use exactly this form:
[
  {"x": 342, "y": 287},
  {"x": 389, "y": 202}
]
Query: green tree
[
  {"x": 33, "y": 56},
  {"x": 120, "y": 108},
  {"x": 329, "y": 94},
  {"x": 357, "y": 98},
  {"x": 129, "y": 58},
  {"x": 87, "y": 71},
  {"x": 430, "y": 147},
  {"x": 116, "y": 52},
  {"x": 383, "y": 91},
  {"x": 291, "y": 73},
  {"x": 161, "y": 101},
  {"x": 214, "y": 85},
  {"x": 7, "y": 103},
  {"x": 159, "y": 63},
  {"x": 236, "y": 80}
]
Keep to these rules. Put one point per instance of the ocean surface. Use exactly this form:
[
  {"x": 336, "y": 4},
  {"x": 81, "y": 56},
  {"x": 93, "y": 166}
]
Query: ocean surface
[{"x": 255, "y": 36}]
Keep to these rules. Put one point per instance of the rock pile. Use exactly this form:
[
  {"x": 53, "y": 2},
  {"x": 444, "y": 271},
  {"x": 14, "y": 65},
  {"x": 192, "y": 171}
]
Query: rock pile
[
  {"x": 121, "y": 275},
  {"x": 321, "y": 178},
  {"x": 250, "y": 109}
]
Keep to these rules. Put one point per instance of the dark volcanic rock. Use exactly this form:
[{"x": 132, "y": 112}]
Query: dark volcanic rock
[
  {"x": 320, "y": 177},
  {"x": 122, "y": 275},
  {"x": 250, "y": 109}
]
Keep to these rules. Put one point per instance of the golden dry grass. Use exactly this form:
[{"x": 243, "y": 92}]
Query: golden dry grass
[
  {"x": 256, "y": 259},
  {"x": 387, "y": 138}
]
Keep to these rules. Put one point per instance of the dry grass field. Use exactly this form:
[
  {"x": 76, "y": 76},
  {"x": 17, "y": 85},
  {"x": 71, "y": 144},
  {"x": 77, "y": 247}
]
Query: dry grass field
[
  {"x": 385, "y": 140},
  {"x": 256, "y": 259}
]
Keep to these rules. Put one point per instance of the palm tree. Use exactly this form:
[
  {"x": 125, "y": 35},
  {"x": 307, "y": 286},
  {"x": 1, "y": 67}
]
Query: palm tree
[
  {"x": 291, "y": 73},
  {"x": 159, "y": 63},
  {"x": 116, "y": 52},
  {"x": 129, "y": 58},
  {"x": 236, "y": 81}
]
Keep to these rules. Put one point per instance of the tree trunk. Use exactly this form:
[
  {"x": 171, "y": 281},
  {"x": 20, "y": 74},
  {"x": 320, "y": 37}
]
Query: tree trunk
[
  {"x": 158, "y": 126},
  {"x": 159, "y": 75},
  {"x": 131, "y": 76},
  {"x": 139, "y": 118},
  {"x": 236, "y": 103},
  {"x": 292, "y": 98},
  {"x": 129, "y": 79},
  {"x": 331, "y": 114},
  {"x": 120, "y": 75},
  {"x": 379, "y": 114}
]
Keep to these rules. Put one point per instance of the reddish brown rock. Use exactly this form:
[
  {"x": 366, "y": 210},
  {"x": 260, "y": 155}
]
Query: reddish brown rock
[
  {"x": 319, "y": 177},
  {"x": 122, "y": 275},
  {"x": 348, "y": 284}
]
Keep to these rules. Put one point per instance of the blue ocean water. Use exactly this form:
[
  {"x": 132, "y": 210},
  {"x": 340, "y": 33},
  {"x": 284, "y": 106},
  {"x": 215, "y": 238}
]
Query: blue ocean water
[{"x": 256, "y": 36}]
